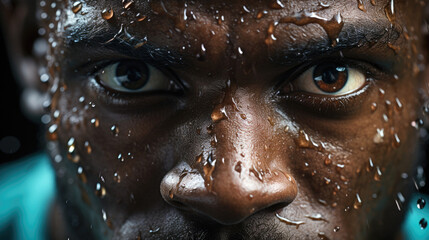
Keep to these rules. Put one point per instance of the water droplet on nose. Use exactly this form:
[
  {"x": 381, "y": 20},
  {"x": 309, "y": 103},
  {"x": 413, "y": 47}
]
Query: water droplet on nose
[
  {"x": 421, "y": 203},
  {"x": 237, "y": 167},
  {"x": 243, "y": 116},
  {"x": 107, "y": 14},
  {"x": 336, "y": 229},
  {"x": 77, "y": 6},
  {"x": 373, "y": 107},
  {"x": 115, "y": 130},
  {"x": 358, "y": 202},
  {"x": 423, "y": 223},
  {"x": 218, "y": 114},
  {"x": 100, "y": 190}
]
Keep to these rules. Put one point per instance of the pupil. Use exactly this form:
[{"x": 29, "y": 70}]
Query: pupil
[
  {"x": 330, "y": 77},
  {"x": 132, "y": 75}
]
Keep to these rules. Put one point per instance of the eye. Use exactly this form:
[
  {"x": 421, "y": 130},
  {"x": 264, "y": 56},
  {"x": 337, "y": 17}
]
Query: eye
[
  {"x": 334, "y": 79},
  {"x": 134, "y": 77}
]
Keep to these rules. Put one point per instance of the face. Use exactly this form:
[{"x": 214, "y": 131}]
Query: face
[{"x": 232, "y": 119}]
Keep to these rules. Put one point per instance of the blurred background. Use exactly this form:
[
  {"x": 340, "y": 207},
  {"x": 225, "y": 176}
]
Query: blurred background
[{"x": 19, "y": 136}]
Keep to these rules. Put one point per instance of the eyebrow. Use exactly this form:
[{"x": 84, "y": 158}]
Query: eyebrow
[
  {"x": 103, "y": 40},
  {"x": 98, "y": 38},
  {"x": 366, "y": 34}
]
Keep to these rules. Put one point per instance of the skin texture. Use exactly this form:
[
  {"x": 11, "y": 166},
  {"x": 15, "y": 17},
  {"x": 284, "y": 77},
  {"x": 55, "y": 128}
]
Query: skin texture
[{"x": 231, "y": 150}]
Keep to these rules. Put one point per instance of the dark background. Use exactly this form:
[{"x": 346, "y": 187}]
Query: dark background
[{"x": 18, "y": 136}]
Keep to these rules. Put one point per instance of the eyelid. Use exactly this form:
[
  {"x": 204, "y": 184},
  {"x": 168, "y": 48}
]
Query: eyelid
[{"x": 178, "y": 87}]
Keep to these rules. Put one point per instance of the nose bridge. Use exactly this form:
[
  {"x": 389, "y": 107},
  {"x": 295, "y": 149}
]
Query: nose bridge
[{"x": 234, "y": 178}]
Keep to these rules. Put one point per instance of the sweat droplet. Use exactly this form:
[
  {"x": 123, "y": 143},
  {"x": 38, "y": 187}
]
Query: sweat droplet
[
  {"x": 389, "y": 10},
  {"x": 421, "y": 203},
  {"x": 115, "y": 130},
  {"x": 88, "y": 147},
  {"x": 358, "y": 202},
  {"x": 71, "y": 145},
  {"x": 396, "y": 140},
  {"x": 361, "y": 6},
  {"x": 127, "y": 4},
  {"x": 81, "y": 174},
  {"x": 377, "y": 176},
  {"x": 332, "y": 27},
  {"x": 95, "y": 122},
  {"x": 290, "y": 222},
  {"x": 100, "y": 190},
  {"x": 77, "y": 6},
  {"x": 107, "y": 14},
  {"x": 52, "y": 132}
]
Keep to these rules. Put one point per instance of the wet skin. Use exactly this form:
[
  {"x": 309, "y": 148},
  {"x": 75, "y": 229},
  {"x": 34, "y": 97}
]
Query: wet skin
[{"x": 234, "y": 139}]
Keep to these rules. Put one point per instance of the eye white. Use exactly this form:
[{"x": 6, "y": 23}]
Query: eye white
[
  {"x": 306, "y": 82},
  {"x": 154, "y": 79}
]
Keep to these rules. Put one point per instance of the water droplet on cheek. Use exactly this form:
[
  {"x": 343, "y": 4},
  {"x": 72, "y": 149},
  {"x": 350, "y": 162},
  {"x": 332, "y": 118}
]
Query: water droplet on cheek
[
  {"x": 115, "y": 130},
  {"x": 77, "y": 6},
  {"x": 358, "y": 202},
  {"x": 88, "y": 147},
  {"x": 95, "y": 122},
  {"x": 107, "y": 14},
  {"x": 52, "y": 132},
  {"x": 100, "y": 191}
]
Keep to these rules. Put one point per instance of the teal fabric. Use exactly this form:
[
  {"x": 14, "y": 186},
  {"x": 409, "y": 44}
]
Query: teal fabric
[
  {"x": 27, "y": 188},
  {"x": 412, "y": 228}
]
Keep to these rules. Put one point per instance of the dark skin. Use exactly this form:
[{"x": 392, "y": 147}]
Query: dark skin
[{"x": 226, "y": 131}]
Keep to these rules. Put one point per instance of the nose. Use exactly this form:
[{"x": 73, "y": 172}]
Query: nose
[{"x": 238, "y": 177}]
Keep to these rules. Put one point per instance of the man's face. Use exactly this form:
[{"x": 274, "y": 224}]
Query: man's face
[{"x": 234, "y": 119}]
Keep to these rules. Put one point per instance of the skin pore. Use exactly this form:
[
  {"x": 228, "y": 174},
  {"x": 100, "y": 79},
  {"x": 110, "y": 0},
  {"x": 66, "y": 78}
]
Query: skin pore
[{"x": 216, "y": 119}]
